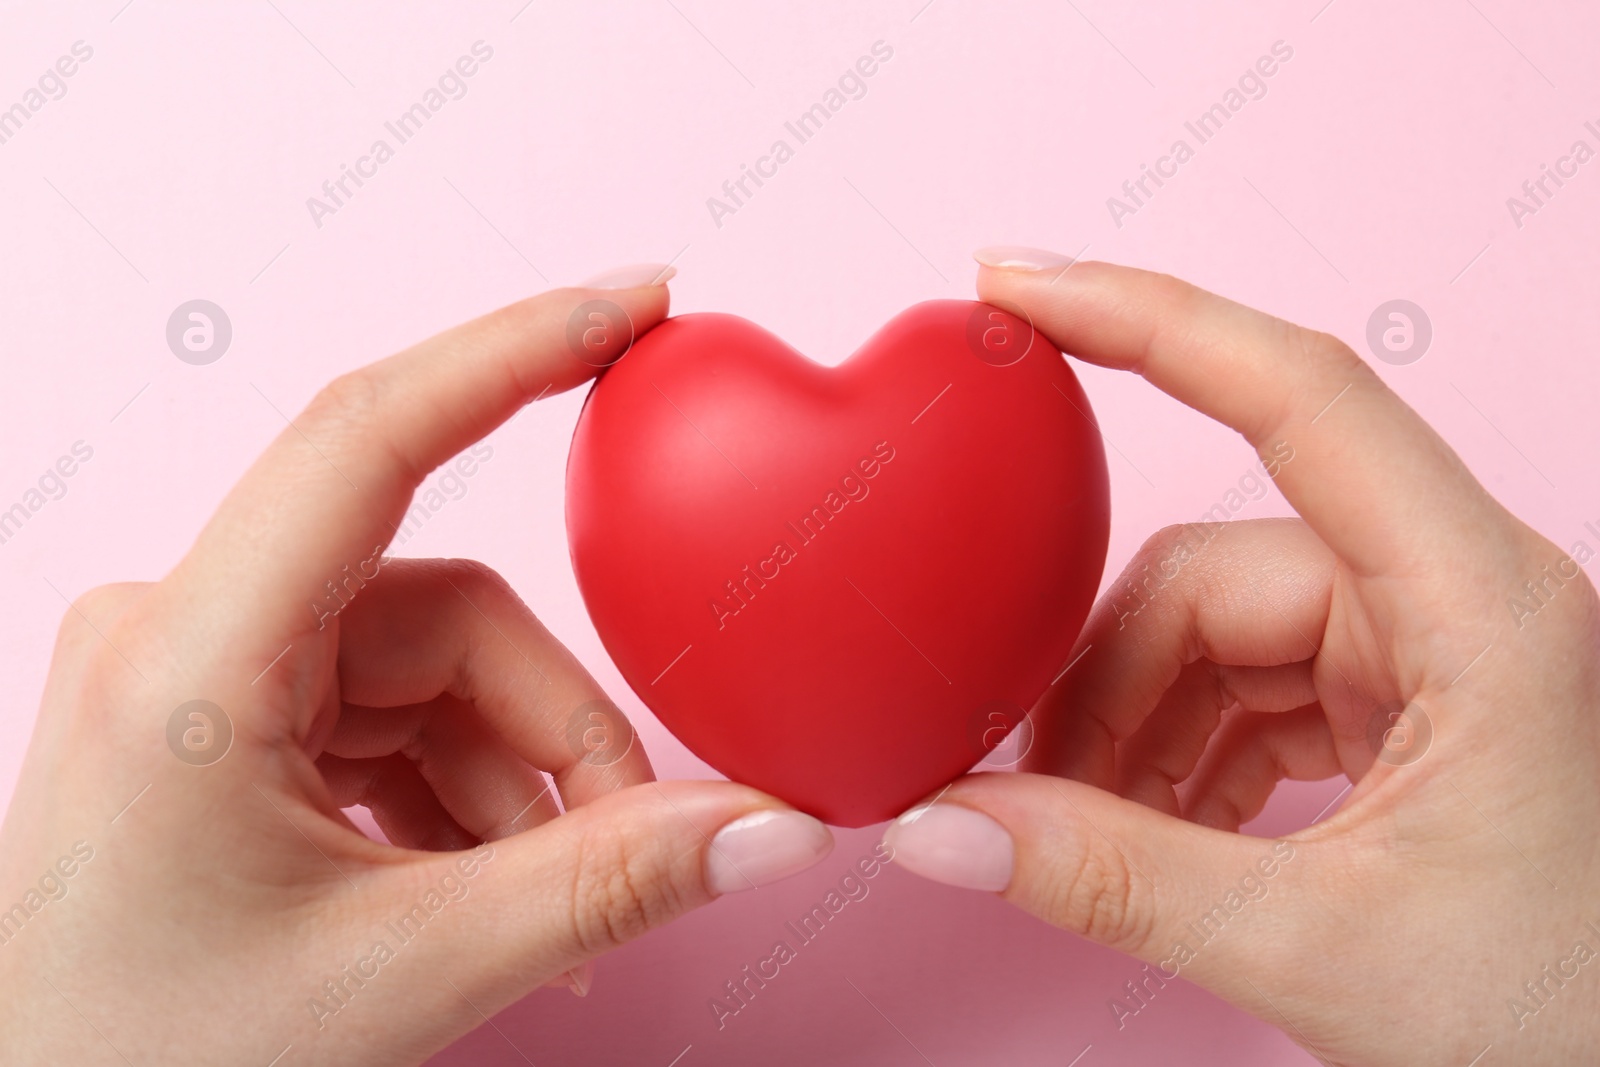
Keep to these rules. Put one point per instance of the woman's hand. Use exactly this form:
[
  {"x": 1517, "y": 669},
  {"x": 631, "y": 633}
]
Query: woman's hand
[
  {"x": 1409, "y": 633},
  {"x": 179, "y": 884}
]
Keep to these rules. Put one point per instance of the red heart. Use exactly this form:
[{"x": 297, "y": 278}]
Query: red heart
[{"x": 840, "y": 585}]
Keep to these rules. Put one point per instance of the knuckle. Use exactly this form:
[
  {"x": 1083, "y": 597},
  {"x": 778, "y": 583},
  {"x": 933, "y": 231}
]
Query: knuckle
[
  {"x": 1168, "y": 288},
  {"x": 101, "y": 636},
  {"x": 1551, "y": 578},
  {"x": 479, "y": 581},
  {"x": 351, "y": 398},
  {"x": 353, "y": 412},
  {"x": 1165, "y": 543},
  {"x": 1318, "y": 365},
  {"x": 619, "y": 892},
  {"x": 1327, "y": 352},
  {"x": 95, "y": 610},
  {"x": 1101, "y": 898},
  {"x": 1165, "y": 553},
  {"x": 1162, "y": 562}
]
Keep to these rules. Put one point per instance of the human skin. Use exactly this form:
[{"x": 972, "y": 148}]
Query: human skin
[
  {"x": 1396, "y": 931},
  {"x": 208, "y": 901},
  {"x": 1402, "y": 929}
]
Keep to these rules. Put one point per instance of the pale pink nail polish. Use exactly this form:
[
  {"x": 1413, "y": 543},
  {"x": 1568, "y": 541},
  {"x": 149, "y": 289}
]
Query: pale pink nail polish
[
  {"x": 581, "y": 978},
  {"x": 636, "y": 276},
  {"x": 1020, "y": 257},
  {"x": 954, "y": 845},
  {"x": 764, "y": 847}
]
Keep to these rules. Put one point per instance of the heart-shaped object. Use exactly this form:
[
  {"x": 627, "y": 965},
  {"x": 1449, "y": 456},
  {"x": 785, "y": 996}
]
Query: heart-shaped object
[{"x": 842, "y": 586}]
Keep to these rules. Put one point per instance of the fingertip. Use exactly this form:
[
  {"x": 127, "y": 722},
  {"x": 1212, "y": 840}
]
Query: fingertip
[
  {"x": 953, "y": 844},
  {"x": 581, "y": 978},
  {"x": 1021, "y": 259},
  {"x": 578, "y": 981},
  {"x": 763, "y": 847},
  {"x": 595, "y": 324},
  {"x": 633, "y": 276}
]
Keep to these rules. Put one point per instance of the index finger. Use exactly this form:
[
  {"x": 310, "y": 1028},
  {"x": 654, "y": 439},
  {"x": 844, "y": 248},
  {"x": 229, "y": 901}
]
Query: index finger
[
  {"x": 328, "y": 496},
  {"x": 1375, "y": 482}
]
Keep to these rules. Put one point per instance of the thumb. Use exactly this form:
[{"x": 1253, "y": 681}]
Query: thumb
[
  {"x": 1111, "y": 870},
  {"x": 604, "y": 873}
]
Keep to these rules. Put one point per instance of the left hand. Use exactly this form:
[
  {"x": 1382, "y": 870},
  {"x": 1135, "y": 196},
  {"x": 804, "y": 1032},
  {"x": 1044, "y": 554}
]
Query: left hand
[{"x": 174, "y": 906}]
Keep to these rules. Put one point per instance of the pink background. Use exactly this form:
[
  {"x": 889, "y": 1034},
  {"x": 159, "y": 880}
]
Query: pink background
[{"x": 1376, "y": 167}]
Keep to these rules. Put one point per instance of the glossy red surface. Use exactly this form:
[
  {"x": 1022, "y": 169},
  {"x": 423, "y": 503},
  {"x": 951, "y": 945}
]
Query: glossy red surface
[{"x": 840, "y": 585}]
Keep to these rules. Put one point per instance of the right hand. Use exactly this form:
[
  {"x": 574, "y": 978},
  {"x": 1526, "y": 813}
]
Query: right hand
[{"x": 1405, "y": 928}]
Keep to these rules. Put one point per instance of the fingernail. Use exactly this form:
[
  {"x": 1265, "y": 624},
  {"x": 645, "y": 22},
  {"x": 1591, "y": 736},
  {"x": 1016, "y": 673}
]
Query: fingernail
[
  {"x": 1020, "y": 257},
  {"x": 637, "y": 276},
  {"x": 954, "y": 845},
  {"x": 764, "y": 847},
  {"x": 580, "y": 978}
]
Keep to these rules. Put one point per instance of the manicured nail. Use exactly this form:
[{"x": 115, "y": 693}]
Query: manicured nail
[
  {"x": 954, "y": 845},
  {"x": 580, "y": 978},
  {"x": 1020, "y": 257},
  {"x": 637, "y": 276},
  {"x": 764, "y": 847}
]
